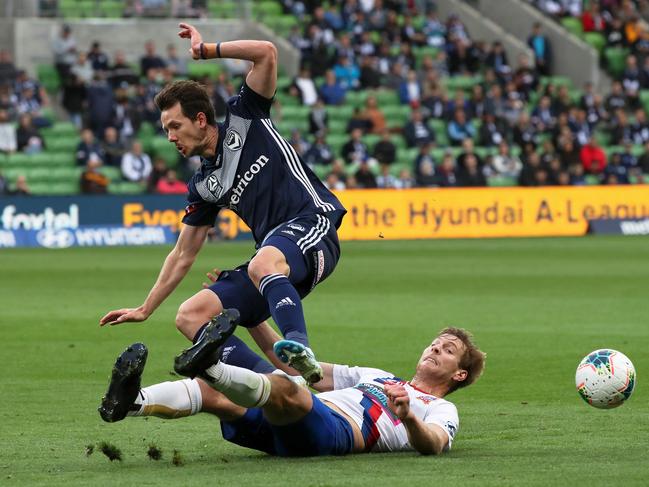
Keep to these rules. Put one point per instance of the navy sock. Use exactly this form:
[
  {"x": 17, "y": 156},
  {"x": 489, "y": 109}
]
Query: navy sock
[
  {"x": 199, "y": 334},
  {"x": 285, "y": 306},
  {"x": 236, "y": 352}
]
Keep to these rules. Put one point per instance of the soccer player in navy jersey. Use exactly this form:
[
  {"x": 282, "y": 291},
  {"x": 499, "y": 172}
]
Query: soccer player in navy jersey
[{"x": 248, "y": 167}]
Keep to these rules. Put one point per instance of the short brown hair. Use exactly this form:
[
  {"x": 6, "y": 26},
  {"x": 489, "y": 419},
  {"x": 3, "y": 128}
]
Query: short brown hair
[
  {"x": 192, "y": 96},
  {"x": 472, "y": 359}
]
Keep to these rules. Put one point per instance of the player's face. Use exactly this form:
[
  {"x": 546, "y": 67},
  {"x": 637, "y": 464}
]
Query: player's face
[
  {"x": 181, "y": 131},
  {"x": 441, "y": 359}
]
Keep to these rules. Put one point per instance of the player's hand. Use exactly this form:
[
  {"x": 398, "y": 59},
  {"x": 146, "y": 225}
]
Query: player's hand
[
  {"x": 188, "y": 31},
  {"x": 398, "y": 400},
  {"x": 123, "y": 315},
  {"x": 212, "y": 276}
]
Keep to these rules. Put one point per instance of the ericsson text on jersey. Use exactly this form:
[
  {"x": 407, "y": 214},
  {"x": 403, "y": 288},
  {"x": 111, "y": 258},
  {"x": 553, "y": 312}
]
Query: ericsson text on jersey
[{"x": 246, "y": 178}]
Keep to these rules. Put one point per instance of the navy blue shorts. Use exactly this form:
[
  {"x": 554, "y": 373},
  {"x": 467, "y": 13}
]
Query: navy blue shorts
[
  {"x": 321, "y": 432},
  {"x": 310, "y": 245}
]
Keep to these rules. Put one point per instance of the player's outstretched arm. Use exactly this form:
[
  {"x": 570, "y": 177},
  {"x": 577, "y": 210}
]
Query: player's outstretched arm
[
  {"x": 427, "y": 439},
  {"x": 174, "y": 269},
  {"x": 263, "y": 54}
]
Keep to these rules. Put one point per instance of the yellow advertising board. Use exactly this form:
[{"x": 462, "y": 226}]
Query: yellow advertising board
[
  {"x": 486, "y": 212},
  {"x": 476, "y": 212}
]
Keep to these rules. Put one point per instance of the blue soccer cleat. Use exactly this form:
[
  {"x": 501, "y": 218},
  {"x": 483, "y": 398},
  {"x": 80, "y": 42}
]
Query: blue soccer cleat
[{"x": 301, "y": 358}]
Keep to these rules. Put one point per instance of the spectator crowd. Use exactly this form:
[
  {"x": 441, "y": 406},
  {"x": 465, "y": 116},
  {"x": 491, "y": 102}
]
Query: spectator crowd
[{"x": 473, "y": 117}]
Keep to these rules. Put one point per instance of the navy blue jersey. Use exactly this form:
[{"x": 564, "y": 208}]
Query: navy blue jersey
[{"x": 256, "y": 174}]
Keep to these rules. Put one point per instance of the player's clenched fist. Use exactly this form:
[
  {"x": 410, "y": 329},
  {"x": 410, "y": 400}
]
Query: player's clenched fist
[{"x": 398, "y": 399}]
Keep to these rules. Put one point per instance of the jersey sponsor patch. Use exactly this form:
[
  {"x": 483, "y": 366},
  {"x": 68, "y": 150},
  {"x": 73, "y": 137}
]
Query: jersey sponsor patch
[
  {"x": 377, "y": 396},
  {"x": 233, "y": 140},
  {"x": 214, "y": 185}
]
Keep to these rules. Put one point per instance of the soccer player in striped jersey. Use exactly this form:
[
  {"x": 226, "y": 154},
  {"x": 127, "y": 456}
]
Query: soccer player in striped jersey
[
  {"x": 248, "y": 167},
  {"x": 357, "y": 409}
]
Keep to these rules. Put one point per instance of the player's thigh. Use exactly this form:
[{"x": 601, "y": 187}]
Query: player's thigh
[
  {"x": 196, "y": 311},
  {"x": 235, "y": 289},
  {"x": 310, "y": 247}
]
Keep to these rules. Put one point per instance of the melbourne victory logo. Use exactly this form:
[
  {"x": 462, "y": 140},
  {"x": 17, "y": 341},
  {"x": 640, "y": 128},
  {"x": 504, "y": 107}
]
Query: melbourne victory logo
[{"x": 233, "y": 140}]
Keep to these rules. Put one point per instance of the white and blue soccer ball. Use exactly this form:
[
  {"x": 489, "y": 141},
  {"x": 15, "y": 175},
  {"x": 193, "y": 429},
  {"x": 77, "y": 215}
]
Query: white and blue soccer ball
[{"x": 605, "y": 378}]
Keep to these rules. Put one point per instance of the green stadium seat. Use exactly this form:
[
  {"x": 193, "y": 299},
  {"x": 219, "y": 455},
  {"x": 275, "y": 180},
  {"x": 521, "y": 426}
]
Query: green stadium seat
[
  {"x": 501, "y": 181},
  {"x": 321, "y": 170},
  {"x": 386, "y": 97},
  {"x": 336, "y": 141},
  {"x": 223, "y": 9},
  {"x": 48, "y": 77},
  {"x": 111, "y": 172},
  {"x": 60, "y": 128},
  {"x": 285, "y": 127},
  {"x": 40, "y": 159},
  {"x": 161, "y": 147},
  {"x": 421, "y": 52},
  {"x": 146, "y": 130},
  {"x": 602, "y": 137},
  {"x": 11, "y": 173},
  {"x": 573, "y": 25},
  {"x": 39, "y": 175},
  {"x": 264, "y": 9},
  {"x": 204, "y": 68},
  {"x": 111, "y": 9},
  {"x": 356, "y": 98},
  {"x": 615, "y": 58},
  {"x": 339, "y": 112},
  {"x": 484, "y": 152},
  {"x": 65, "y": 173},
  {"x": 337, "y": 126},
  {"x": 464, "y": 83},
  {"x": 286, "y": 100},
  {"x": 295, "y": 112},
  {"x": 396, "y": 115},
  {"x": 595, "y": 39},
  {"x": 61, "y": 143},
  {"x": 18, "y": 159},
  {"x": 283, "y": 83},
  {"x": 61, "y": 159},
  {"x": 397, "y": 167},
  {"x": 282, "y": 24},
  {"x": 125, "y": 187},
  {"x": 372, "y": 139},
  {"x": 62, "y": 188},
  {"x": 48, "y": 113}
]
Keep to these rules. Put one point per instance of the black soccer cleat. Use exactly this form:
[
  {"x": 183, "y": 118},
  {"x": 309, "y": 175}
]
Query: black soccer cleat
[
  {"x": 124, "y": 383},
  {"x": 194, "y": 360}
]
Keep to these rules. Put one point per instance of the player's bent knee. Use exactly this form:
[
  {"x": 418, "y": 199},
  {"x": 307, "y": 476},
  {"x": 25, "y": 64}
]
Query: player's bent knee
[
  {"x": 196, "y": 311},
  {"x": 264, "y": 264}
]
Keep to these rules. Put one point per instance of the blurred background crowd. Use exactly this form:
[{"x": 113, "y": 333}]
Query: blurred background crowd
[{"x": 388, "y": 95}]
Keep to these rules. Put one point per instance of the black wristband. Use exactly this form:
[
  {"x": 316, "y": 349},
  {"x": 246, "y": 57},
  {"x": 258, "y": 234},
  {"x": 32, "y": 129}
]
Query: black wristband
[
  {"x": 201, "y": 50},
  {"x": 218, "y": 49}
]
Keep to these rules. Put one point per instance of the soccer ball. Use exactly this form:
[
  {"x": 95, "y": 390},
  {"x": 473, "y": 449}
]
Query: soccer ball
[{"x": 605, "y": 378}]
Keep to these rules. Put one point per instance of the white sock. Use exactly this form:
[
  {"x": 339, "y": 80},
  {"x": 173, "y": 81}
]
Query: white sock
[
  {"x": 297, "y": 379},
  {"x": 242, "y": 386},
  {"x": 169, "y": 400}
]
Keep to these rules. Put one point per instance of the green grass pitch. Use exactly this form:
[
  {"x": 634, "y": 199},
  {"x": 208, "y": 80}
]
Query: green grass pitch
[{"x": 535, "y": 306}]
